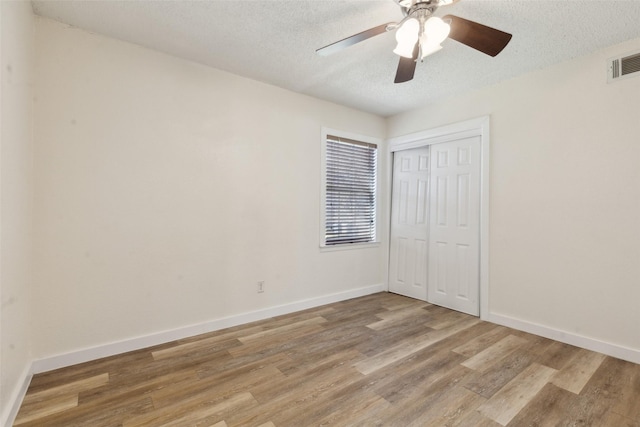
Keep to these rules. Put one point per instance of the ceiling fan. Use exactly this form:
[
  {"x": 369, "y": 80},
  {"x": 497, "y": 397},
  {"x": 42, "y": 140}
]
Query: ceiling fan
[{"x": 420, "y": 33}]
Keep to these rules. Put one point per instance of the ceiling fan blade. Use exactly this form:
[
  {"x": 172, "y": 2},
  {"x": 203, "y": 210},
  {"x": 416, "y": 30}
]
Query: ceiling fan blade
[
  {"x": 407, "y": 66},
  {"x": 480, "y": 37},
  {"x": 356, "y": 38}
]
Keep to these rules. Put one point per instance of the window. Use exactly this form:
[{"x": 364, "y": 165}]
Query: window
[{"x": 350, "y": 191}]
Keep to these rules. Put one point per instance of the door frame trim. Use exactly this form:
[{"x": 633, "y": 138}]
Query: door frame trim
[{"x": 468, "y": 128}]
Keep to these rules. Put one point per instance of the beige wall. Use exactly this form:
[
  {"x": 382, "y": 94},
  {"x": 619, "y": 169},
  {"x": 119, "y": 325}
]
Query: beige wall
[
  {"x": 165, "y": 190},
  {"x": 17, "y": 46},
  {"x": 565, "y": 195}
]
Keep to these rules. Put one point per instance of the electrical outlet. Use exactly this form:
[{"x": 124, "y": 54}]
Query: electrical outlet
[{"x": 261, "y": 286}]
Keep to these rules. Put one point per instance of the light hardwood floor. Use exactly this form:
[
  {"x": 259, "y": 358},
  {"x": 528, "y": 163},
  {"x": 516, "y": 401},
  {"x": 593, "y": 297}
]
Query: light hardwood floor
[{"x": 379, "y": 360}]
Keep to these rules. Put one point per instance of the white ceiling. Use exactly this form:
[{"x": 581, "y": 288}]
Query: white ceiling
[{"x": 274, "y": 41}]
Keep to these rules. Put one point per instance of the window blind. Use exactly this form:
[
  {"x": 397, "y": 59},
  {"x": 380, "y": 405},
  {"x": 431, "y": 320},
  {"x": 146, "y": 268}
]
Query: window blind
[{"x": 350, "y": 191}]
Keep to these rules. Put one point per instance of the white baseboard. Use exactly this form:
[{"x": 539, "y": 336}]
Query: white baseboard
[
  {"x": 614, "y": 350},
  {"x": 16, "y": 399},
  {"x": 110, "y": 349}
]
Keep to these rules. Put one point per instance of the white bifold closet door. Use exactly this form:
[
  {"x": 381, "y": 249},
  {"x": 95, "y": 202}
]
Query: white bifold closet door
[
  {"x": 409, "y": 223},
  {"x": 435, "y": 227},
  {"x": 454, "y": 225}
]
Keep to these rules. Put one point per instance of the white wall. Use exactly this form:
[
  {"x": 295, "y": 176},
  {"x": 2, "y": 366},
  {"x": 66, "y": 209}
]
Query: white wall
[
  {"x": 16, "y": 62},
  {"x": 165, "y": 190},
  {"x": 565, "y": 196}
]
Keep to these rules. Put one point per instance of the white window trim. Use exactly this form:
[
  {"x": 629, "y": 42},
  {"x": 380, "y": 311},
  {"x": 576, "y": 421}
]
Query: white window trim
[{"x": 323, "y": 190}]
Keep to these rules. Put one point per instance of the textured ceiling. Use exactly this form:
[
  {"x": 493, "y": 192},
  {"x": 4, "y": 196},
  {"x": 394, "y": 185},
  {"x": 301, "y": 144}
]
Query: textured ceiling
[{"x": 274, "y": 41}]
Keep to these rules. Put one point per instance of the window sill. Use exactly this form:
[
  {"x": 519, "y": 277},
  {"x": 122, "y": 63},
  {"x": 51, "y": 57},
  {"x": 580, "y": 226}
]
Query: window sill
[{"x": 348, "y": 247}]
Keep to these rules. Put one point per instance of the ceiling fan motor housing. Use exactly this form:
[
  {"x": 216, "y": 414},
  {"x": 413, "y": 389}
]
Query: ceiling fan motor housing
[{"x": 421, "y": 9}]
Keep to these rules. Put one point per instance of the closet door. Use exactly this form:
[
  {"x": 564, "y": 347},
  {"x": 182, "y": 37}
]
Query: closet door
[
  {"x": 454, "y": 225},
  {"x": 409, "y": 223}
]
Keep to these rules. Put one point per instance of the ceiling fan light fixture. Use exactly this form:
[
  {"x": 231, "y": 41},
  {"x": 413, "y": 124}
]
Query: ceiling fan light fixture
[{"x": 407, "y": 36}]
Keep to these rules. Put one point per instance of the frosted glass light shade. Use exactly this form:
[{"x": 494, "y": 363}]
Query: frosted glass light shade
[
  {"x": 405, "y": 49},
  {"x": 407, "y": 36},
  {"x": 436, "y": 30},
  {"x": 427, "y": 48}
]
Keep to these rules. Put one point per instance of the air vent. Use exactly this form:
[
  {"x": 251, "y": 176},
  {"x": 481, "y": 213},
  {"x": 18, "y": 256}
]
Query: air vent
[{"x": 624, "y": 66}]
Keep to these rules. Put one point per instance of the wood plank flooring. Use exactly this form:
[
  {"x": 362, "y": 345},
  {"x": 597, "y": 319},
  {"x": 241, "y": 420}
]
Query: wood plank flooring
[{"x": 379, "y": 360}]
